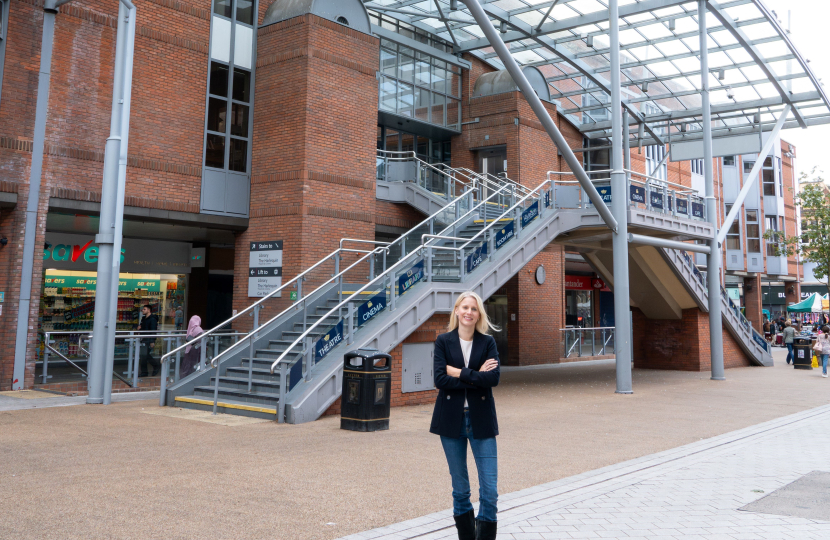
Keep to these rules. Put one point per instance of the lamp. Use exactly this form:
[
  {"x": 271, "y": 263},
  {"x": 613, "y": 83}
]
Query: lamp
[
  {"x": 792, "y": 289},
  {"x": 748, "y": 286}
]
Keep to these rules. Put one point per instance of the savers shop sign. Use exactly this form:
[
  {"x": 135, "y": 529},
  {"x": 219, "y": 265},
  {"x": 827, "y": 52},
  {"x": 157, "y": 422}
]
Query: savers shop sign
[{"x": 79, "y": 252}]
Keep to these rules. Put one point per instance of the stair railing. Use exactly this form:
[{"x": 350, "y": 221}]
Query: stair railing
[
  {"x": 303, "y": 301},
  {"x": 455, "y": 180},
  {"x": 428, "y": 243}
]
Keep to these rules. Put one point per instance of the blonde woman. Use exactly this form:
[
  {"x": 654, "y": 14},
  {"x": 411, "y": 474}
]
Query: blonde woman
[{"x": 466, "y": 369}]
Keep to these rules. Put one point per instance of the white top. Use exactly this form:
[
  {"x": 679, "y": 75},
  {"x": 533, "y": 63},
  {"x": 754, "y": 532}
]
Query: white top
[{"x": 466, "y": 348}]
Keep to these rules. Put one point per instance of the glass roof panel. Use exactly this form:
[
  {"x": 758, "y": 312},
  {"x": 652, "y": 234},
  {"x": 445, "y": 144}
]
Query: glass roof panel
[{"x": 663, "y": 58}]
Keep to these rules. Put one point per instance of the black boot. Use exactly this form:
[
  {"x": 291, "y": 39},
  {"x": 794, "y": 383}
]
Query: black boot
[
  {"x": 486, "y": 530},
  {"x": 466, "y": 525}
]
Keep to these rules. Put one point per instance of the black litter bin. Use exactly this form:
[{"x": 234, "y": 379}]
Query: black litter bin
[
  {"x": 803, "y": 352},
  {"x": 367, "y": 381}
]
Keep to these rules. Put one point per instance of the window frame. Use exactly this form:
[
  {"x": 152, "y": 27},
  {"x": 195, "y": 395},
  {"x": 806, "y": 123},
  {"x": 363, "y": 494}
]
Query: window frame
[
  {"x": 757, "y": 223},
  {"x": 736, "y": 227},
  {"x": 232, "y": 68}
]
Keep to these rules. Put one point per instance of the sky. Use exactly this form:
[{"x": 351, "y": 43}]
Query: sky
[{"x": 809, "y": 33}]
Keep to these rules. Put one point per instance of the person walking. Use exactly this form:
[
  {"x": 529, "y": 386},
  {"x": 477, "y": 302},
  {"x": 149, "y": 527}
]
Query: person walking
[
  {"x": 789, "y": 335},
  {"x": 178, "y": 317},
  {"x": 149, "y": 323},
  {"x": 767, "y": 331},
  {"x": 466, "y": 368},
  {"x": 193, "y": 351},
  {"x": 822, "y": 348}
]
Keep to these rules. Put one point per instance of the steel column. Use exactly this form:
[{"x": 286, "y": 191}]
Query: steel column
[
  {"x": 535, "y": 103},
  {"x": 713, "y": 267},
  {"x": 619, "y": 207},
  {"x": 33, "y": 198}
]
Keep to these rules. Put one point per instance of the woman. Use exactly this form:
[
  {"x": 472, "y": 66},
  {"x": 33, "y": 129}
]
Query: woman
[
  {"x": 822, "y": 348},
  {"x": 192, "y": 354},
  {"x": 789, "y": 335},
  {"x": 465, "y": 371}
]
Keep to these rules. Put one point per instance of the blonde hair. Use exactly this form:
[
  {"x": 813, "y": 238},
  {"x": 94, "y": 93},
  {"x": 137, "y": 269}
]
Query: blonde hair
[
  {"x": 483, "y": 325},
  {"x": 788, "y": 322}
]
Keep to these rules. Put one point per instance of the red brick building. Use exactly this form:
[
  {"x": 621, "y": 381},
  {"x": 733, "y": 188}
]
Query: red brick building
[{"x": 256, "y": 122}]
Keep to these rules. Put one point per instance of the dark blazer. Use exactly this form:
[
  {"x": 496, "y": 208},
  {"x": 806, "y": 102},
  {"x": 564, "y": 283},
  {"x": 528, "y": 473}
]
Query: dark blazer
[{"x": 473, "y": 385}]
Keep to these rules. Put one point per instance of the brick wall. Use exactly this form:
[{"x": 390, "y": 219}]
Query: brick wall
[
  {"x": 681, "y": 344},
  {"x": 753, "y": 302}
]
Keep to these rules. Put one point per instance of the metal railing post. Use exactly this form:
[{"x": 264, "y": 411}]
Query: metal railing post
[
  {"x": 215, "y": 388},
  {"x": 46, "y": 358},
  {"x": 283, "y": 387},
  {"x": 136, "y": 360},
  {"x": 177, "y": 371},
  {"x": 202, "y": 353},
  {"x": 129, "y": 342},
  {"x": 428, "y": 275},
  {"x": 350, "y": 336},
  {"x": 309, "y": 358}
]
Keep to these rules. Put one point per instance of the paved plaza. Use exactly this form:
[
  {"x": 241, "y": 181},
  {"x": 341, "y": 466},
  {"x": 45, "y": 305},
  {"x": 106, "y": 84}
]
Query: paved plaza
[
  {"x": 694, "y": 492},
  {"x": 681, "y": 455}
]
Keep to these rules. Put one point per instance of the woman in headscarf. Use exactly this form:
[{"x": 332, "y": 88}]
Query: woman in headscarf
[{"x": 193, "y": 351}]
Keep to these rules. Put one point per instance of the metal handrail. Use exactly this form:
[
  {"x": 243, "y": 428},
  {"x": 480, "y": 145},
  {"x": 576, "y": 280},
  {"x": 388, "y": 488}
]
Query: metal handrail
[{"x": 383, "y": 276}]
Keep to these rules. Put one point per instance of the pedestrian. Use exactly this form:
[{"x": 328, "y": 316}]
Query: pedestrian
[
  {"x": 789, "y": 334},
  {"x": 179, "y": 317},
  {"x": 767, "y": 331},
  {"x": 193, "y": 351},
  {"x": 466, "y": 368},
  {"x": 149, "y": 323},
  {"x": 822, "y": 348}
]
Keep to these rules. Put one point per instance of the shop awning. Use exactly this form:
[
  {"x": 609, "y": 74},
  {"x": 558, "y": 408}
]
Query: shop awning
[
  {"x": 813, "y": 304},
  {"x": 825, "y": 302}
]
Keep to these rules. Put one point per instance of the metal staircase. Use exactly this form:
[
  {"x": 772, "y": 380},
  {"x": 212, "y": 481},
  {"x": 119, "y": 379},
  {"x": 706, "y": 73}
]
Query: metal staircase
[{"x": 290, "y": 366}]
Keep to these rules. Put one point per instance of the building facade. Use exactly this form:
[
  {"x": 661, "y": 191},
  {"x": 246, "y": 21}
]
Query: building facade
[{"x": 262, "y": 122}]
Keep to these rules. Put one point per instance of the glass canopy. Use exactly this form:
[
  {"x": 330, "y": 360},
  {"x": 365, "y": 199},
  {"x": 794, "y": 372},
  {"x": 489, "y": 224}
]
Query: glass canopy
[{"x": 754, "y": 68}]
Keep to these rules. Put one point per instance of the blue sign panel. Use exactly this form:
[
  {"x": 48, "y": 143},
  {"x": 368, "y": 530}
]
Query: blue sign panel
[
  {"x": 638, "y": 194},
  {"x": 505, "y": 234},
  {"x": 295, "y": 374},
  {"x": 682, "y": 206},
  {"x": 656, "y": 198},
  {"x": 330, "y": 340},
  {"x": 366, "y": 311},
  {"x": 760, "y": 341},
  {"x": 476, "y": 257},
  {"x": 697, "y": 210},
  {"x": 410, "y": 277},
  {"x": 530, "y": 214},
  {"x": 605, "y": 193}
]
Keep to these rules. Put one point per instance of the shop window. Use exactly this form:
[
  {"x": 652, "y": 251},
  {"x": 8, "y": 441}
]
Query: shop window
[
  {"x": 228, "y": 126},
  {"x": 753, "y": 232},
  {"x": 416, "y": 85},
  {"x": 733, "y": 236},
  {"x": 578, "y": 309}
]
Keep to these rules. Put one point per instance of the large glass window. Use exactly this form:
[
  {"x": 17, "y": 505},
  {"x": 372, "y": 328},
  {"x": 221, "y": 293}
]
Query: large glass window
[
  {"x": 753, "y": 232},
  {"x": 768, "y": 177},
  {"x": 654, "y": 155},
  {"x": 420, "y": 86},
  {"x": 733, "y": 236},
  {"x": 597, "y": 160},
  {"x": 228, "y": 118},
  {"x": 773, "y": 226},
  {"x": 596, "y": 98}
]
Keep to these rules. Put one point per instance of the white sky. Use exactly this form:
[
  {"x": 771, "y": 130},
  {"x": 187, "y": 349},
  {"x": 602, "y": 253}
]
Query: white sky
[{"x": 809, "y": 32}]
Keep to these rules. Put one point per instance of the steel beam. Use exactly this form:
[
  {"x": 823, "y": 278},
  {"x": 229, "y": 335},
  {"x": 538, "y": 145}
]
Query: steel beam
[
  {"x": 756, "y": 55},
  {"x": 668, "y": 244},
  {"x": 713, "y": 268},
  {"x": 541, "y": 113},
  {"x": 501, "y": 15},
  {"x": 619, "y": 206},
  {"x": 753, "y": 176}
]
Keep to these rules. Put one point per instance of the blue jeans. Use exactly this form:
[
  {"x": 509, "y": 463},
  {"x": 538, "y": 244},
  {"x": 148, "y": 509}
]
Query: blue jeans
[
  {"x": 484, "y": 452},
  {"x": 824, "y": 362},
  {"x": 790, "y": 352}
]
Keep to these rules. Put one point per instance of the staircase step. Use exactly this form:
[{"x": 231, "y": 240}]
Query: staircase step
[
  {"x": 258, "y": 363},
  {"x": 244, "y": 396},
  {"x": 262, "y": 374},
  {"x": 227, "y": 406},
  {"x": 241, "y": 383}
]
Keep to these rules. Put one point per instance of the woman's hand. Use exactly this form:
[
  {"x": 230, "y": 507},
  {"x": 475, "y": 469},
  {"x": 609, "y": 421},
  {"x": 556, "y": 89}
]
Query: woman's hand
[
  {"x": 489, "y": 365},
  {"x": 453, "y": 372}
]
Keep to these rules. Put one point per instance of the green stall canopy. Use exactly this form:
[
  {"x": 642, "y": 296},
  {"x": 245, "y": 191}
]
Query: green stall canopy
[{"x": 811, "y": 304}]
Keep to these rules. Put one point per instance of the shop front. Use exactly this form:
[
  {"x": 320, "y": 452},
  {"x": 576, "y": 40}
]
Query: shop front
[
  {"x": 774, "y": 300},
  {"x": 152, "y": 273},
  {"x": 588, "y": 302}
]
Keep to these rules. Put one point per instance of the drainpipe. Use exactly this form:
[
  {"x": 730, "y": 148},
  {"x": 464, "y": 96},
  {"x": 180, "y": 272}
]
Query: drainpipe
[{"x": 50, "y": 9}]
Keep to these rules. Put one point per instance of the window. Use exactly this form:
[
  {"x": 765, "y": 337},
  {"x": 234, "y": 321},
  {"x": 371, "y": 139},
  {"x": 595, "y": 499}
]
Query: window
[
  {"x": 772, "y": 245},
  {"x": 407, "y": 30},
  {"x": 728, "y": 161},
  {"x": 768, "y": 177},
  {"x": 595, "y": 98},
  {"x": 597, "y": 160},
  {"x": 654, "y": 155},
  {"x": 416, "y": 85},
  {"x": 697, "y": 166},
  {"x": 228, "y": 118},
  {"x": 733, "y": 236},
  {"x": 780, "y": 177},
  {"x": 753, "y": 232}
]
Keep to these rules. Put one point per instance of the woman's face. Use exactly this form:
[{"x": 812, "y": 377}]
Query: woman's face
[{"x": 467, "y": 313}]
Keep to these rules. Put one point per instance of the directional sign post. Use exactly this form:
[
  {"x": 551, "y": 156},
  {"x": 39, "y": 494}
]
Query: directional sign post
[{"x": 264, "y": 268}]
